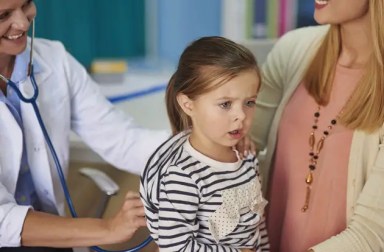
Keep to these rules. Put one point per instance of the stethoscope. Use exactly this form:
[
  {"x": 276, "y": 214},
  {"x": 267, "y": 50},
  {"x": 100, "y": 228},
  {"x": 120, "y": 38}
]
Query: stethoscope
[{"x": 32, "y": 101}]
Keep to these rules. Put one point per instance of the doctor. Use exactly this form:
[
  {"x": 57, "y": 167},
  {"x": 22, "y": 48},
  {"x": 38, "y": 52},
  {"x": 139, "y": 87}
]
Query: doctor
[{"x": 68, "y": 100}]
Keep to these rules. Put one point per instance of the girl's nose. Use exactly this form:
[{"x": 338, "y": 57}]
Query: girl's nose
[{"x": 240, "y": 115}]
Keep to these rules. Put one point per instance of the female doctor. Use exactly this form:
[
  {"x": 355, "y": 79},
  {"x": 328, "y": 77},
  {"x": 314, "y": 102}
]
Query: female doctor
[{"x": 68, "y": 100}]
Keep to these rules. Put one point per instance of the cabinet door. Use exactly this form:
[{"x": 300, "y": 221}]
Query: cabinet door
[{"x": 94, "y": 28}]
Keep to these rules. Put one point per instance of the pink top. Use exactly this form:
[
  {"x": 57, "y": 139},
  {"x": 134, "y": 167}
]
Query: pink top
[{"x": 291, "y": 230}]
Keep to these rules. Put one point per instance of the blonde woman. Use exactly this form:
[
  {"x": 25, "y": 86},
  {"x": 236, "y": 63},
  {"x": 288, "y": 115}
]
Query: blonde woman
[{"x": 322, "y": 107}]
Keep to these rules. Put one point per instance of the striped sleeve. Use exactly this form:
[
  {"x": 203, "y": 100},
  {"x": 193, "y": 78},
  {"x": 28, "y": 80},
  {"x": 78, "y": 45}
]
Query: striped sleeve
[
  {"x": 264, "y": 240},
  {"x": 178, "y": 207}
]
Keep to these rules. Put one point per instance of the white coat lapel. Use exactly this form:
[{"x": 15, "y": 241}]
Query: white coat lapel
[
  {"x": 37, "y": 150},
  {"x": 41, "y": 69},
  {"x": 11, "y": 148}
]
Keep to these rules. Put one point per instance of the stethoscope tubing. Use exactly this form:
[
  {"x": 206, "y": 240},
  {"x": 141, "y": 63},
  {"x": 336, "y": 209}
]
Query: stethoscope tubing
[{"x": 32, "y": 100}]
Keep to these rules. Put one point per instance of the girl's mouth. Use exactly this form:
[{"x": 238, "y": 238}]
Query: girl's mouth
[{"x": 235, "y": 134}]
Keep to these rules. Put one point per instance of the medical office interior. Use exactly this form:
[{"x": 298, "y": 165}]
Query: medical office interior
[{"x": 131, "y": 48}]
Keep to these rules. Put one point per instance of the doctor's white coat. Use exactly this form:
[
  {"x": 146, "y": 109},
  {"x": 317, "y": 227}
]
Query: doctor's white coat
[{"x": 68, "y": 100}]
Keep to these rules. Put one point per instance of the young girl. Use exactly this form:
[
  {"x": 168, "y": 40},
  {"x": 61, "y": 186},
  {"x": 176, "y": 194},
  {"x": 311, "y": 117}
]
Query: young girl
[{"x": 198, "y": 194}]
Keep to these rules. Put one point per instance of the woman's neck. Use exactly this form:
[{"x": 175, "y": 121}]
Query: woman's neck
[
  {"x": 6, "y": 68},
  {"x": 356, "y": 43}
]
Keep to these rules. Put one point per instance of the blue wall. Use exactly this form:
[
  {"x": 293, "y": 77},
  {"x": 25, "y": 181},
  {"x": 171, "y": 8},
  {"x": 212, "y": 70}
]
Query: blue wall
[{"x": 182, "y": 21}]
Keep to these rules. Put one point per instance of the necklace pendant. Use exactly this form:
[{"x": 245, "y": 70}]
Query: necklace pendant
[
  {"x": 314, "y": 151},
  {"x": 306, "y": 203},
  {"x": 309, "y": 178}
]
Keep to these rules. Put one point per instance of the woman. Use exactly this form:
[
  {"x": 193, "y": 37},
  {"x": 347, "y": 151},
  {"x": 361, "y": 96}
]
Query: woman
[
  {"x": 322, "y": 104},
  {"x": 68, "y": 100}
]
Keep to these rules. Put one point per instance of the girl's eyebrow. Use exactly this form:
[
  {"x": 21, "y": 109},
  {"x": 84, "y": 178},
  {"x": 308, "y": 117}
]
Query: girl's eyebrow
[{"x": 231, "y": 98}]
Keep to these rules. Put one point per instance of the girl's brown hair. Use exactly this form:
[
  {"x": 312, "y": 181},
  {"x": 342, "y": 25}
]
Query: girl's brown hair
[
  {"x": 365, "y": 109},
  {"x": 206, "y": 64}
]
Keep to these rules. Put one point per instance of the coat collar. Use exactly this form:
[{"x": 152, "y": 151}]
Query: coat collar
[{"x": 40, "y": 68}]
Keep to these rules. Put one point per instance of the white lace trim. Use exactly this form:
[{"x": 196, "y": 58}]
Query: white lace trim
[{"x": 225, "y": 219}]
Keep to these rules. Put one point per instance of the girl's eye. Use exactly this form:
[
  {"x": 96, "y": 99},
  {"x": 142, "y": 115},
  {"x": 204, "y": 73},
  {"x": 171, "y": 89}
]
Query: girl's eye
[
  {"x": 225, "y": 105},
  {"x": 251, "y": 103}
]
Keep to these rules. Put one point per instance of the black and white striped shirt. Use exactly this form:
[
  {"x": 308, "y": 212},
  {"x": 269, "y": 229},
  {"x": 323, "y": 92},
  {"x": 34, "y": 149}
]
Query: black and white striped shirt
[{"x": 182, "y": 189}]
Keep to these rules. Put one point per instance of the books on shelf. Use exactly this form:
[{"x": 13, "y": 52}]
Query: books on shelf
[
  {"x": 259, "y": 24},
  {"x": 248, "y": 19}
]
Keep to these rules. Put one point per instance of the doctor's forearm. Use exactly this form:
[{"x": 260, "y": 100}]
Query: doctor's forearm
[
  {"x": 41, "y": 229},
  {"x": 47, "y": 230}
]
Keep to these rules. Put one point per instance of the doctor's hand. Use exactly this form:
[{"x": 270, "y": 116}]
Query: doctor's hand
[
  {"x": 128, "y": 220},
  {"x": 47, "y": 230}
]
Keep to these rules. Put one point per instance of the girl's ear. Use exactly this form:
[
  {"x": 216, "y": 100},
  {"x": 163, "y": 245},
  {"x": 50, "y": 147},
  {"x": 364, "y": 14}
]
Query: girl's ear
[{"x": 185, "y": 103}]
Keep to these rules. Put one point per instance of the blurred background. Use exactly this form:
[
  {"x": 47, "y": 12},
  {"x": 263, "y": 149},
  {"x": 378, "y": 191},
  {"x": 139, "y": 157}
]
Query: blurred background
[
  {"x": 131, "y": 48},
  {"x": 161, "y": 28}
]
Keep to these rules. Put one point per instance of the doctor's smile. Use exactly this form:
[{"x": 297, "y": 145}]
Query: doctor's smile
[
  {"x": 14, "y": 37},
  {"x": 16, "y": 40},
  {"x": 15, "y": 19}
]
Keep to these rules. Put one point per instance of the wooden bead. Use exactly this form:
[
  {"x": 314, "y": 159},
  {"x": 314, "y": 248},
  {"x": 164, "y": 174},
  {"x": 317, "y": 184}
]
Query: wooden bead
[
  {"x": 320, "y": 145},
  {"x": 312, "y": 140}
]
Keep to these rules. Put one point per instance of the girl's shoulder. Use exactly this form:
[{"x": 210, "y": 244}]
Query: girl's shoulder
[{"x": 164, "y": 156}]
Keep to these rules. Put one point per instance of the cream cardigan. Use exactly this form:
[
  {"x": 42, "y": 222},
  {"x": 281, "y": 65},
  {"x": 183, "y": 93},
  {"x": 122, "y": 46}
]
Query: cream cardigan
[{"x": 282, "y": 73}]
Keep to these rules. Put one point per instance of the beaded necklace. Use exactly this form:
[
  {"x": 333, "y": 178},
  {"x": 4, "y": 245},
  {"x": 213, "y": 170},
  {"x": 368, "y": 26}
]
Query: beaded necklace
[{"x": 314, "y": 151}]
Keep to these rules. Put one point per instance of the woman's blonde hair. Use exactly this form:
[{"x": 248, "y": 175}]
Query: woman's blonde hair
[
  {"x": 204, "y": 65},
  {"x": 365, "y": 109}
]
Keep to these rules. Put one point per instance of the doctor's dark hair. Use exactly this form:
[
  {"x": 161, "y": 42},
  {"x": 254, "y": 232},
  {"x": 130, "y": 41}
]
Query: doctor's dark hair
[{"x": 205, "y": 64}]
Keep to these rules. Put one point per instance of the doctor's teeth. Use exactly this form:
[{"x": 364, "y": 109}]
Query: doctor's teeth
[
  {"x": 321, "y": 2},
  {"x": 14, "y": 36}
]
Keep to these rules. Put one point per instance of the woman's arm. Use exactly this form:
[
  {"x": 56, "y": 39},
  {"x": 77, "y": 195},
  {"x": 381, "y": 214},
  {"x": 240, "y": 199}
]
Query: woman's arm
[
  {"x": 47, "y": 230},
  {"x": 270, "y": 93}
]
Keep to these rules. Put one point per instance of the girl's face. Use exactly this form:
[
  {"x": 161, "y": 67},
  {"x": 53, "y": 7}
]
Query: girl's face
[
  {"x": 223, "y": 116},
  {"x": 340, "y": 11},
  {"x": 15, "y": 19}
]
